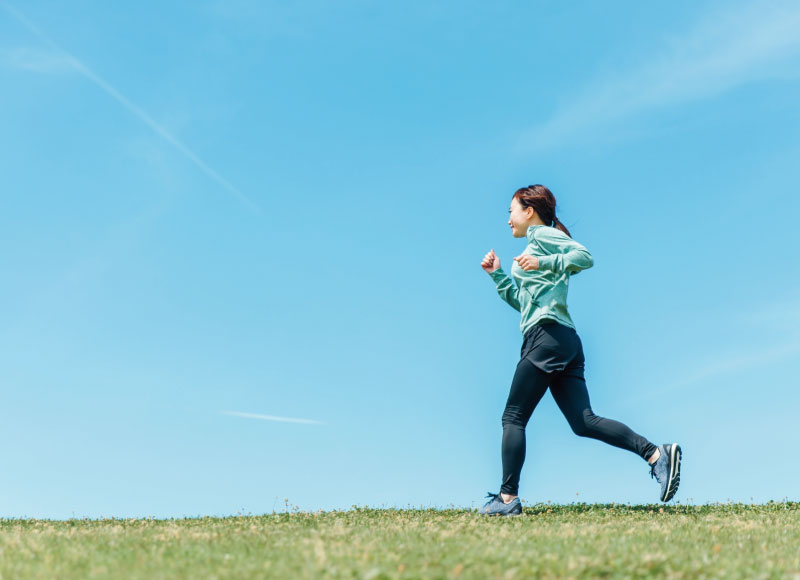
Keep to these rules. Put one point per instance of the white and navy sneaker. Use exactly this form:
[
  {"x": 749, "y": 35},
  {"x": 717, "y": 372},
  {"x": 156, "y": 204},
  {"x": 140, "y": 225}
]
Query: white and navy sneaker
[
  {"x": 667, "y": 470},
  {"x": 497, "y": 507}
]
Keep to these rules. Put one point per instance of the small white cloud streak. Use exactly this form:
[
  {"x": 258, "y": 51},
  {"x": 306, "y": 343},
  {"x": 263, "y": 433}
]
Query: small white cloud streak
[
  {"x": 721, "y": 366},
  {"x": 34, "y": 60},
  {"x": 725, "y": 50},
  {"x": 784, "y": 315},
  {"x": 738, "y": 363},
  {"x": 780, "y": 317},
  {"x": 65, "y": 58},
  {"x": 271, "y": 418}
]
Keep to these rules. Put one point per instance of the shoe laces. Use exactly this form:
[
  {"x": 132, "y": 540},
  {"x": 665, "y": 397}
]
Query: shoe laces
[
  {"x": 494, "y": 496},
  {"x": 653, "y": 473}
]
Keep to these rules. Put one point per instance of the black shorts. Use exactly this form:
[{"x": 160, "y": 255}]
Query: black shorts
[{"x": 552, "y": 347}]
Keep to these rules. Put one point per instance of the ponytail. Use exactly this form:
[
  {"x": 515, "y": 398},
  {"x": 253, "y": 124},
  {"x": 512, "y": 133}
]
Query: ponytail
[{"x": 558, "y": 225}]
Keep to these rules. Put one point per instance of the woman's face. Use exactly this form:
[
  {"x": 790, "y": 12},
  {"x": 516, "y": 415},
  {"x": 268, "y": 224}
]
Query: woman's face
[{"x": 520, "y": 218}]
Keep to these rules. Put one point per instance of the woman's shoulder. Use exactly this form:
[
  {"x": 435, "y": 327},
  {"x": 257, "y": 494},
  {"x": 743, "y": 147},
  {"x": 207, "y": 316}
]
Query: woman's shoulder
[{"x": 546, "y": 233}]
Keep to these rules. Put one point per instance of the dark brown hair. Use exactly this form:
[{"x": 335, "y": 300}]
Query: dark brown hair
[{"x": 543, "y": 203}]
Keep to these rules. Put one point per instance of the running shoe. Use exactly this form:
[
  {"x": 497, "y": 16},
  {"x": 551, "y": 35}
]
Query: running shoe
[
  {"x": 497, "y": 507},
  {"x": 667, "y": 470}
]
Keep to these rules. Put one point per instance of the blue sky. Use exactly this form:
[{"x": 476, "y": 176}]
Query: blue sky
[{"x": 214, "y": 211}]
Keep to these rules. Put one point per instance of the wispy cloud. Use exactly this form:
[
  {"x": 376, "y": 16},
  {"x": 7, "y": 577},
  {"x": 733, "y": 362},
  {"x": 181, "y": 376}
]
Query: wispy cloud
[
  {"x": 729, "y": 364},
  {"x": 36, "y": 60},
  {"x": 779, "y": 319},
  {"x": 737, "y": 362},
  {"x": 46, "y": 63},
  {"x": 271, "y": 418},
  {"x": 735, "y": 46},
  {"x": 780, "y": 315}
]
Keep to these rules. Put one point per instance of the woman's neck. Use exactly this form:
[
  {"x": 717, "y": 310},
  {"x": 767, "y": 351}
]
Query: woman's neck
[{"x": 535, "y": 221}]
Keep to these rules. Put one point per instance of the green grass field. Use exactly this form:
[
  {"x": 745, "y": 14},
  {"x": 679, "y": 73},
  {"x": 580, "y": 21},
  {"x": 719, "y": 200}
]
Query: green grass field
[{"x": 548, "y": 541}]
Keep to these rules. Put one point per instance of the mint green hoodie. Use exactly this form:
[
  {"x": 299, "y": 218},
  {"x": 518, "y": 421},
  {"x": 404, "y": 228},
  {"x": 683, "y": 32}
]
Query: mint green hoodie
[{"x": 542, "y": 294}]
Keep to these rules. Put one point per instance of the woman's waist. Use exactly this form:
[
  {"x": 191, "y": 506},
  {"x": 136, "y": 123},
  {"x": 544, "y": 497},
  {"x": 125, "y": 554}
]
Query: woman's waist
[{"x": 545, "y": 323}]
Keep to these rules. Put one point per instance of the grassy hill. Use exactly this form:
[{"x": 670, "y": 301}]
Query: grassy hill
[{"x": 549, "y": 541}]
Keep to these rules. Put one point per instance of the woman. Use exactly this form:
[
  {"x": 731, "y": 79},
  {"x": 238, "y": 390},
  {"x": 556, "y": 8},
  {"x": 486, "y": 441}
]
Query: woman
[{"x": 551, "y": 354}]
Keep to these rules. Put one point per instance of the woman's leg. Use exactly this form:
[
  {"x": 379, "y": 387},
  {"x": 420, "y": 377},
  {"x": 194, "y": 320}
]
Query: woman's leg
[
  {"x": 527, "y": 389},
  {"x": 569, "y": 391}
]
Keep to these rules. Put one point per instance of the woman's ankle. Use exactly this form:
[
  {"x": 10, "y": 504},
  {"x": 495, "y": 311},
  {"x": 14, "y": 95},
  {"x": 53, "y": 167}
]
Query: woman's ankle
[{"x": 507, "y": 497}]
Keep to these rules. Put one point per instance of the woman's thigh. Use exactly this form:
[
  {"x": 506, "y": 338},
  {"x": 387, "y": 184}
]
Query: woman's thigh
[
  {"x": 571, "y": 395},
  {"x": 527, "y": 389}
]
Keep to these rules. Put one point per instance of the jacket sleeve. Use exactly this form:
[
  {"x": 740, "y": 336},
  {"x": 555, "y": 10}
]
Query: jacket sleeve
[
  {"x": 563, "y": 253},
  {"x": 506, "y": 288}
]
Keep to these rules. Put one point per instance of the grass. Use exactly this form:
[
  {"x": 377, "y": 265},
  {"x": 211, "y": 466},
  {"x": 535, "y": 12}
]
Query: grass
[{"x": 547, "y": 541}]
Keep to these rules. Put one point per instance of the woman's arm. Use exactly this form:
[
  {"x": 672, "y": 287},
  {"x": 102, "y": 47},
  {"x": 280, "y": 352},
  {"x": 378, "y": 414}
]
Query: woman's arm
[
  {"x": 563, "y": 253},
  {"x": 506, "y": 288}
]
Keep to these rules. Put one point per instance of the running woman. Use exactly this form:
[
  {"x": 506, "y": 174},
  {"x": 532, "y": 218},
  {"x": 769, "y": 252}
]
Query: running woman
[{"x": 552, "y": 354}]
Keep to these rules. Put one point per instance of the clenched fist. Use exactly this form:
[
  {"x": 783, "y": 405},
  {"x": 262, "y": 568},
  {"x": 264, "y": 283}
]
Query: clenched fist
[
  {"x": 527, "y": 262},
  {"x": 490, "y": 262}
]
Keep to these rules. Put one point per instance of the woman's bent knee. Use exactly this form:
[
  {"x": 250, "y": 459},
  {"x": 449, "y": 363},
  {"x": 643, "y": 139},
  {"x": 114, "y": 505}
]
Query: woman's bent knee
[
  {"x": 513, "y": 416},
  {"x": 583, "y": 425}
]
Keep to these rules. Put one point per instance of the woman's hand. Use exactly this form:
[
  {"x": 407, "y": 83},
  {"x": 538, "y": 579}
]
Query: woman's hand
[
  {"x": 527, "y": 262},
  {"x": 490, "y": 262}
]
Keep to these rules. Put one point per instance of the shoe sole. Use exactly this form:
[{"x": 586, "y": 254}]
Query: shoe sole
[
  {"x": 496, "y": 514},
  {"x": 674, "y": 471},
  {"x": 502, "y": 515}
]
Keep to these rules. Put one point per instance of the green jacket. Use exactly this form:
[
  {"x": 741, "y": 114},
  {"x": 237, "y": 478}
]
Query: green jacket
[{"x": 542, "y": 294}]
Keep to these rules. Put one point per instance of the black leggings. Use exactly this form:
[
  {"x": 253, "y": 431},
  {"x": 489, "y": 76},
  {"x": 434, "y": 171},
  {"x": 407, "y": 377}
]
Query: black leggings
[{"x": 552, "y": 356}]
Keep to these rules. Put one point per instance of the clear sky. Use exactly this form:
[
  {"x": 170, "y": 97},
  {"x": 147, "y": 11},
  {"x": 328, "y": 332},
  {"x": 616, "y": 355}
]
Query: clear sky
[{"x": 215, "y": 211}]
